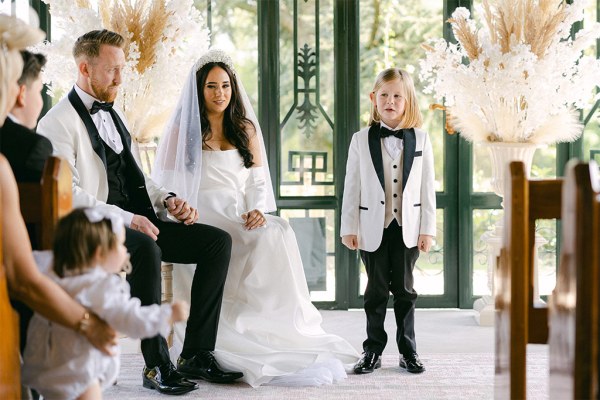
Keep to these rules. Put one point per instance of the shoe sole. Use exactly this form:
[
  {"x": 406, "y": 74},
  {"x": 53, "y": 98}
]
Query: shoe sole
[{"x": 211, "y": 380}]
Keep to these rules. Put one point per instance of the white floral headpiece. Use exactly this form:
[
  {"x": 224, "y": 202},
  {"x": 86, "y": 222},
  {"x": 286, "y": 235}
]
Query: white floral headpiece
[{"x": 212, "y": 56}]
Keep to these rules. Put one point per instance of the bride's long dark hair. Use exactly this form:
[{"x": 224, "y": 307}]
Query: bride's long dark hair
[{"x": 235, "y": 122}]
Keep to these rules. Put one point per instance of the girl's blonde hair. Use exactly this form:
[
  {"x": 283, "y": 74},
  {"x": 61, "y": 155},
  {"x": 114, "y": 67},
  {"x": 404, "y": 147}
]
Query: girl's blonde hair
[
  {"x": 412, "y": 117},
  {"x": 76, "y": 240},
  {"x": 15, "y": 35}
]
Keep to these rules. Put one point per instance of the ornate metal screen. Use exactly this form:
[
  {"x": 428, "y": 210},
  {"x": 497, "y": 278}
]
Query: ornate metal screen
[{"x": 306, "y": 92}]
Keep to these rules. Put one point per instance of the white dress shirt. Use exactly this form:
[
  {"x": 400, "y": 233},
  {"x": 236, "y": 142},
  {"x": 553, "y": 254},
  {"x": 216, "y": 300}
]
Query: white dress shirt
[
  {"x": 392, "y": 144},
  {"x": 103, "y": 121}
]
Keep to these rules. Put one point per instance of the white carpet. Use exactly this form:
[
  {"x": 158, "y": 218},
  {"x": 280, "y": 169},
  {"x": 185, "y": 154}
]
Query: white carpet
[{"x": 448, "y": 376}]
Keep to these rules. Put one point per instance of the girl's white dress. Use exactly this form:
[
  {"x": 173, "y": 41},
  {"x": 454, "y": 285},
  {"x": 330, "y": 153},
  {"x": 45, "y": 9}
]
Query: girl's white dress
[
  {"x": 268, "y": 328},
  {"x": 60, "y": 363}
]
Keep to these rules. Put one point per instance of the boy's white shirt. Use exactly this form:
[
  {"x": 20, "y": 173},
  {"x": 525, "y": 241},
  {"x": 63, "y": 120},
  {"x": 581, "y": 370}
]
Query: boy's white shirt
[
  {"x": 392, "y": 144},
  {"x": 363, "y": 206}
]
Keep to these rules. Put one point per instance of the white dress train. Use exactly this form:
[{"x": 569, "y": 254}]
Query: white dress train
[{"x": 268, "y": 327}]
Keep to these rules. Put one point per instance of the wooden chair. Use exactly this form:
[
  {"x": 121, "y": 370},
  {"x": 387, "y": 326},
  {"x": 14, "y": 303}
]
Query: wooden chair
[
  {"x": 44, "y": 203},
  {"x": 518, "y": 321},
  {"x": 574, "y": 319},
  {"x": 10, "y": 366}
]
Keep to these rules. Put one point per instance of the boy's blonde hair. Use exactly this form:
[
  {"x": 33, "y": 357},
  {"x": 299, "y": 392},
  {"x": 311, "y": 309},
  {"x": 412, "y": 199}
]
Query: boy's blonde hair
[
  {"x": 412, "y": 117},
  {"x": 76, "y": 240}
]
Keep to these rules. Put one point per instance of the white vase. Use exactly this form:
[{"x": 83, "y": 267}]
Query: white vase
[{"x": 502, "y": 154}]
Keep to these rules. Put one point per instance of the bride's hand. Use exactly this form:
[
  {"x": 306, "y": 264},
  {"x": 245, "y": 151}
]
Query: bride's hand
[
  {"x": 181, "y": 210},
  {"x": 254, "y": 219}
]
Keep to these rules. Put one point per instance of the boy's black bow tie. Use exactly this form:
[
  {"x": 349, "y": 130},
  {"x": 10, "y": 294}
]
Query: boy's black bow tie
[
  {"x": 97, "y": 106},
  {"x": 385, "y": 132}
]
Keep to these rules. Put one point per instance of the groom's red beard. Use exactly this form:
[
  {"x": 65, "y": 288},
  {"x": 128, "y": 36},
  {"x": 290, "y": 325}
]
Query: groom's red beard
[{"x": 107, "y": 94}]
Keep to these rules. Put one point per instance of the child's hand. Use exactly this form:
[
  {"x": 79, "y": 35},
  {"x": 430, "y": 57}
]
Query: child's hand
[
  {"x": 181, "y": 311},
  {"x": 350, "y": 241},
  {"x": 425, "y": 242}
]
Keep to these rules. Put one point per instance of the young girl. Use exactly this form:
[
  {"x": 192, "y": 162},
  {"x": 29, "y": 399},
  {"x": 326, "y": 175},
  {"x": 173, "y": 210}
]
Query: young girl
[
  {"x": 88, "y": 254},
  {"x": 388, "y": 212}
]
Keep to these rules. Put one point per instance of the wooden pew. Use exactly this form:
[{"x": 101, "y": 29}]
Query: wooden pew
[
  {"x": 573, "y": 342},
  {"x": 44, "y": 203},
  {"x": 10, "y": 366},
  {"x": 518, "y": 321}
]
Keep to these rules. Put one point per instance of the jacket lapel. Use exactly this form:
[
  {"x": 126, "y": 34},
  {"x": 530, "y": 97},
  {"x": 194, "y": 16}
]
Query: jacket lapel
[
  {"x": 89, "y": 125},
  {"x": 123, "y": 132},
  {"x": 126, "y": 139},
  {"x": 410, "y": 143},
  {"x": 375, "y": 150}
]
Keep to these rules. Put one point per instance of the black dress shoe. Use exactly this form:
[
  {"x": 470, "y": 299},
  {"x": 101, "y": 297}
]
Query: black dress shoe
[
  {"x": 412, "y": 363},
  {"x": 167, "y": 380},
  {"x": 204, "y": 366},
  {"x": 368, "y": 363}
]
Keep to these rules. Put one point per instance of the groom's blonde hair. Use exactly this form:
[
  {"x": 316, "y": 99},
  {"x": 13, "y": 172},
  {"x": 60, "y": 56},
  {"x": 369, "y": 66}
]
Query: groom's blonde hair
[{"x": 88, "y": 45}]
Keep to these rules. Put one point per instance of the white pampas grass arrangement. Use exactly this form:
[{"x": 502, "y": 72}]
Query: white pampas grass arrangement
[
  {"x": 163, "y": 39},
  {"x": 521, "y": 77}
]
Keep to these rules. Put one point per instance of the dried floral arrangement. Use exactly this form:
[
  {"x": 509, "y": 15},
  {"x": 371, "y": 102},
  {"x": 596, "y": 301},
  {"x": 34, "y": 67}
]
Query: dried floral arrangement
[
  {"x": 163, "y": 39},
  {"x": 520, "y": 77}
]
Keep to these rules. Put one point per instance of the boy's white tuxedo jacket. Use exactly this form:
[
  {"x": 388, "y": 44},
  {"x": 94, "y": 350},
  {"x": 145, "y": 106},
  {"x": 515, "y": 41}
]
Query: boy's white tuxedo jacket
[
  {"x": 363, "y": 205},
  {"x": 71, "y": 140}
]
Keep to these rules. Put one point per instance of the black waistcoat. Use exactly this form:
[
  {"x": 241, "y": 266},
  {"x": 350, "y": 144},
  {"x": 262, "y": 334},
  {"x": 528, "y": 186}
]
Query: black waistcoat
[
  {"x": 116, "y": 173},
  {"x": 135, "y": 184}
]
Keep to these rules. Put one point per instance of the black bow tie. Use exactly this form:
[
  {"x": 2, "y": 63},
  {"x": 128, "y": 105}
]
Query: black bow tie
[
  {"x": 97, "y": 106},
  {"x": 385, "y": 132}
]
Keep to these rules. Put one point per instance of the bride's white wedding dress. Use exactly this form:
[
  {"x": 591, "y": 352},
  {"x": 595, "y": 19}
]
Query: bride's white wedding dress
[{"x": 268, "y": 328}]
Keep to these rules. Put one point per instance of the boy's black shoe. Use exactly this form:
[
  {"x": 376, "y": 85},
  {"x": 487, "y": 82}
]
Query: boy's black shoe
[
  {"x": 204, "y": 366},
  {"x": 166, "y": 380},
  {"x": 368, "y": 363},
  {"x": 412, "y": 363}
]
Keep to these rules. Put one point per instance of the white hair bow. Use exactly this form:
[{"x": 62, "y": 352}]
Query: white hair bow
[{"x": 96, "y": 215}]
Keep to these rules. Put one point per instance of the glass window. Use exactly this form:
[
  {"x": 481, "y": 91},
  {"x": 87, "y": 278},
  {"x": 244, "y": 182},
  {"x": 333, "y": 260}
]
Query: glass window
[
  {"x": 234, "y": 28},
  {"x": 306, "y": 98},
  {"x": 591, "y": 133},
  {"x": 486, "y": 246},
  {"x": 314, "y": 231},
  {"x": 21, "y": 10}
]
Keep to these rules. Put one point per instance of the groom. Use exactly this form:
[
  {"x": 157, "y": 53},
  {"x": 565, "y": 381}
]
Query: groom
[{"x": 92, "y": 136}]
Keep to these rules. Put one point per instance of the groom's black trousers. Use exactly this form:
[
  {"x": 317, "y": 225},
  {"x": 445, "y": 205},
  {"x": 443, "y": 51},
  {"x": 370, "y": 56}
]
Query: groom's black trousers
[
  {"x": 389, "y": 269},
  {"x": 204, "y": 245}
]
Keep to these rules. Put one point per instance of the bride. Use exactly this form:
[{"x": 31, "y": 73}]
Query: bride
[{"x": 212, "y": 151}]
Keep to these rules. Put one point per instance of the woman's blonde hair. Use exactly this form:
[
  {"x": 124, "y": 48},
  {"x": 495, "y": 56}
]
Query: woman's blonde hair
[
  {"x": 15, "y": 35},
  {"x": 76, "y": 241},
  {"x": 412, "y": 114}
]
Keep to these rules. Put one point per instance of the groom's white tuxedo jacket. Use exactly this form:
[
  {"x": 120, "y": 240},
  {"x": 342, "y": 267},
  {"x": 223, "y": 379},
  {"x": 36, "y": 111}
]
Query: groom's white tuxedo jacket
[
  {"x": 71, "y": 140},
  {"x": 363, "y": 206}
]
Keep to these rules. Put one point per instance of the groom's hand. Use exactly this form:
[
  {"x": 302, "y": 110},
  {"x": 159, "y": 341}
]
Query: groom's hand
[
  {"x": 181, "y": 210},
  {"x": 143, "y": 224}
]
